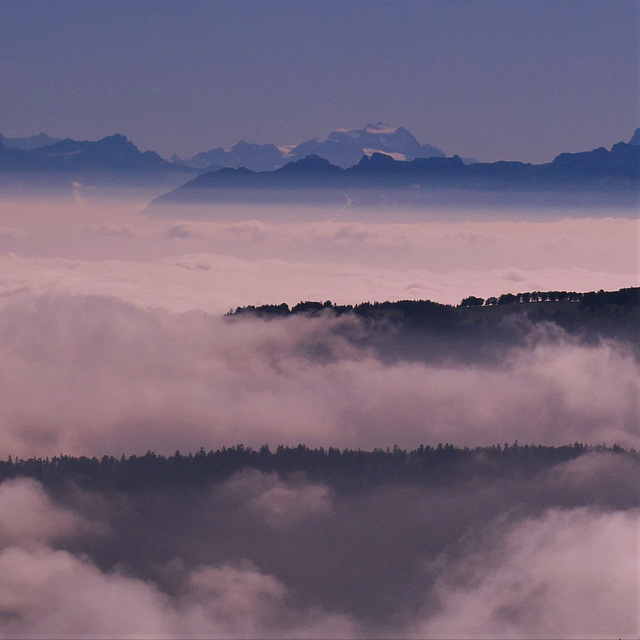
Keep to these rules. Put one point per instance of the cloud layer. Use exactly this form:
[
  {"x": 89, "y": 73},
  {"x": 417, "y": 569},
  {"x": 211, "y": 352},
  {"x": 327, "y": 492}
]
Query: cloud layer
[
  {"x": 112, "y": 341},
  {"x": 216, "y": 263},
  {"x": 94, "y": 375}
]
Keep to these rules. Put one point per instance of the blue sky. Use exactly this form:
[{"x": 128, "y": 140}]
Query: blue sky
[{"x": 491, "y": 79}]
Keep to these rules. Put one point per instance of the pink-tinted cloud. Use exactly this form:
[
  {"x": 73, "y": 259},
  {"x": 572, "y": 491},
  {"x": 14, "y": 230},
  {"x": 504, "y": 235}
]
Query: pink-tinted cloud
[
  {"x": 212, "y": 264},
  {"x": 94, "y": 375},
  {"x": 28, "y": 516},
  {"x": 566, "y": 574}
]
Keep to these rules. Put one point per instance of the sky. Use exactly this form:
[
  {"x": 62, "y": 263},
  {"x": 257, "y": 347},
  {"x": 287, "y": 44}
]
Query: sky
[{"x": 514, "y": 80}]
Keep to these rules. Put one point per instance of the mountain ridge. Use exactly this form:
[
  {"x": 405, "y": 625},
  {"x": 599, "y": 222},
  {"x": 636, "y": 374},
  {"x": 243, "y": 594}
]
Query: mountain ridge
[
  {"x": 113, "y": 158},
  {"x": 116, "y": 159},
  {"x": 342, "y": 147},
  {"x": 603, "y": 170}
]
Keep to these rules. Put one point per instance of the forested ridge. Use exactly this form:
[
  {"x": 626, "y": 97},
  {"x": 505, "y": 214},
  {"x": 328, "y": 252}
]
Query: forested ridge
[
  {"x": 626, "y": 299},
  {"x": 347, "y": 469},
  {"x": 476, "y": 328}
]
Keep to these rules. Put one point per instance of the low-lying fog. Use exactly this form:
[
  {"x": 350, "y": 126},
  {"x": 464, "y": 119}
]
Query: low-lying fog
[{"x": 112, "y": 341}]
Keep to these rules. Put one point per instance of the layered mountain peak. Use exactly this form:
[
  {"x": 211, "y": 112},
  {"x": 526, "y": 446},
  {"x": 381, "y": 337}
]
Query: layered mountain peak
[
  {"x": 381, "y": 137},
  {"x": 378, "y": 128},
  {"x": 111, "y": 150},
  {"x": 342, "y": 147},
  {"x": 256, "y": 157}
]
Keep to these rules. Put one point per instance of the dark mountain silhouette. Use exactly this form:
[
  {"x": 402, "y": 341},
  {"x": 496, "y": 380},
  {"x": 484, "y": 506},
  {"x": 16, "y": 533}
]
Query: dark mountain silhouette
[
  {"x": 626, "y": 299},
  {"x": 111, "y": 159},
  {"x": 343, "y": 147},
  {"x": 614, "y": 171},
  {"x": 635, "y": 139},
  {"x": 28, "y": 143},
  {"x": 13, "y": 159},
  {"x": 622, "y": 162}
]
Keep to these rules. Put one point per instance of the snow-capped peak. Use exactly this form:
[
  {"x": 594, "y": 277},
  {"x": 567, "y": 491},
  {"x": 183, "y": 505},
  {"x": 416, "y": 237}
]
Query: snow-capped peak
[{"x": 380, "y": 128}]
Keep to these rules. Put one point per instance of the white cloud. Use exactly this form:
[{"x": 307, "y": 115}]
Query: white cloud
[
  {"x": 28, "y": 516},
  {"x": 566, "y": 574}
]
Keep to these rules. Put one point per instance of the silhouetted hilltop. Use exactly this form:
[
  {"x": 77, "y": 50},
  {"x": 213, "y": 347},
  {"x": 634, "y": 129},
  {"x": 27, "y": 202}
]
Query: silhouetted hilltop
[
  {"x": 314, "y": 172},
  {"x": 627, "y": 299},
  {"x": 635, "y": 139},
  {"x": 622, "y": 163}
]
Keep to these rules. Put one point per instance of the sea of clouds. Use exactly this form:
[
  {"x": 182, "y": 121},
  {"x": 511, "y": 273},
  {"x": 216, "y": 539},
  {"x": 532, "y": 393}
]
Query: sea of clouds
[
  {"x": 235, "y": 258},
  {"x": 112, "y": 340}
]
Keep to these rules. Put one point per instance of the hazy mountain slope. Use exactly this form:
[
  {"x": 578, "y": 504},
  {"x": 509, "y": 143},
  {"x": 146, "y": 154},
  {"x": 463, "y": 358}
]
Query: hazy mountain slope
[
  {"x": 113, "y": 159},
  {"x": 28, "y": 143}
]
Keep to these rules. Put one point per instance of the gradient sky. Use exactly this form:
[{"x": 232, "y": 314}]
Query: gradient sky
[{"x": 495, "y": 80}]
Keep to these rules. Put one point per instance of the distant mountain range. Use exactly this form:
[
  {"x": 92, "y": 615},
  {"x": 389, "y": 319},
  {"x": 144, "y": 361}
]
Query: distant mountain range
[
  {"x": 342, "y": 147},
  {"x": 45, "y": 158},
  {"x": 384, "y": 161},
  {"x": 381, "y": 178}
]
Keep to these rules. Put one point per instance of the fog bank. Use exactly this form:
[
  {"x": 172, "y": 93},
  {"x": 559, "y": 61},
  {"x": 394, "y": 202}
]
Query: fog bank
[{"x": 93, "y": 375}]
